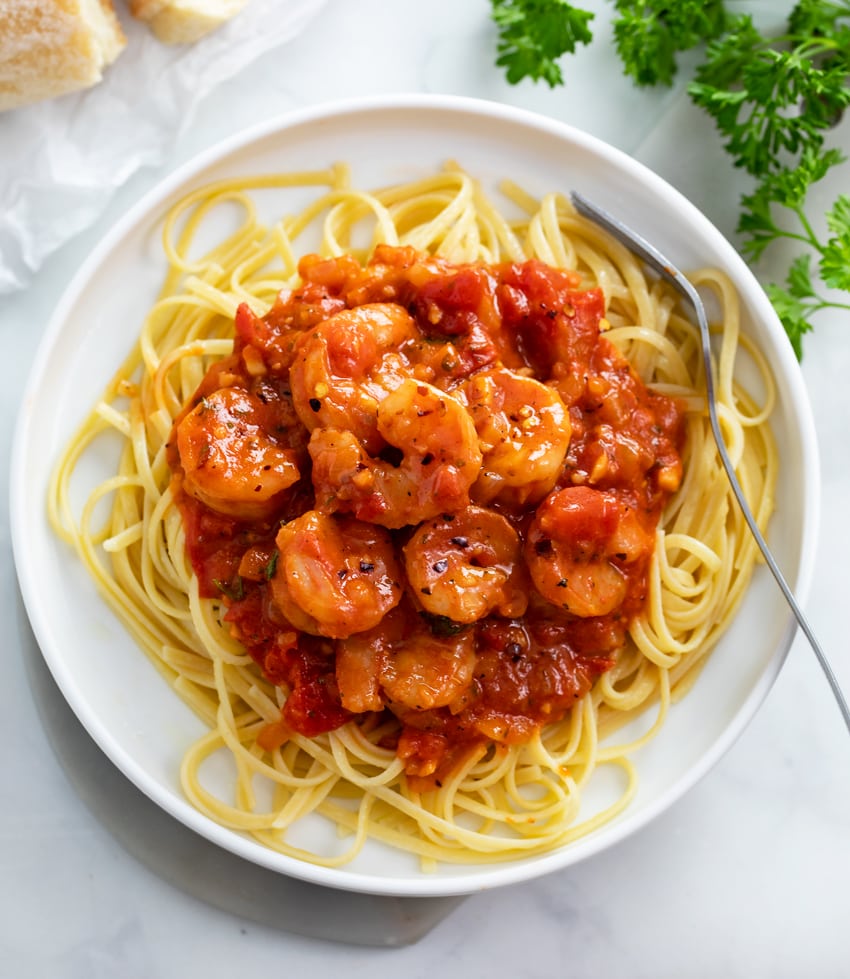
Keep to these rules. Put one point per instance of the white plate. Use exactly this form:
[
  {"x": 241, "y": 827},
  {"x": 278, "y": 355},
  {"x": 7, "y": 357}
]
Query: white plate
[{"x": 110, "y": 684}]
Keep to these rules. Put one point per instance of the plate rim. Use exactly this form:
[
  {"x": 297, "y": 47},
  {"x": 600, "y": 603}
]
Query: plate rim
[{"x": 511, "y": 872}]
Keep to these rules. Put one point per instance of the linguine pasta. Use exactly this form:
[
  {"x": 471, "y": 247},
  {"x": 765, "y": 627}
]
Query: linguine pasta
[{"x": 500, "y": 803}]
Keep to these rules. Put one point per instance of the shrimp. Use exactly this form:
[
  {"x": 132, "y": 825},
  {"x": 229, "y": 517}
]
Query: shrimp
[
  {"x": 346, "y": 365},
  {"x": 359, "y": 662},
  {"x": 230, "y": 461},
  {"x": 425, "y": 671},
  {"x": 334, "y": 576},
  {"x": 579, "y": 548},
  {"x": 431, "y": 460},
  {"x": 362, "y": 659},
  {"x": 465, "y": 565},
  {"x": 524, "y": 432},
  {"x": 401, "y": 664}
]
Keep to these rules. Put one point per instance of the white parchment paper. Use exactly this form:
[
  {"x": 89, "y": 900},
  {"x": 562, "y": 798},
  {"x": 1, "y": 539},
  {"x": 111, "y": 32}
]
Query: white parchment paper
[{"x": 61, "y": 160}]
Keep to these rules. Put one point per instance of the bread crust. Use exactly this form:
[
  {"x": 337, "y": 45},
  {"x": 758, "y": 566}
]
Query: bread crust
[
  {"x": 185, "y": 21},
  {"x": 146, "y": 9},
  {"x": 52, "y": 47}
]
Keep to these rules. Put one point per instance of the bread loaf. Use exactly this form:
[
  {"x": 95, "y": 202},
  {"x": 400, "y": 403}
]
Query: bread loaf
[
  {"x": 184, "y": 21},
  {"x": 52, "y": 47}
]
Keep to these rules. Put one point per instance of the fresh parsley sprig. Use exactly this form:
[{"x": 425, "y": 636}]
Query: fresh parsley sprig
[
  {"x": 798, "y": 299},
  {"x": 534, "y": 34},
  {"x": 773, "y": 100},
  {"x": 648, "y": 34}
]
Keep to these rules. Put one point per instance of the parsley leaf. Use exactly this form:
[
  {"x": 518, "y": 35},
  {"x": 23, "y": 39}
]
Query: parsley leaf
[
  {"x": 786, "y": 189},
  {"x": 649, "y": 33},
  {"x": 442, "y": 625},
  {"x": 271, "y": 567},
  {"x": 793, "y": 313},
  {"x": 798, "y": 301},
  {"x": 754, "y": 89},
  {"x": 756, "y": 222},
  {"x": 233, "y": 589},
  {"x": 835, "y": 255},
  {"x": 533, "y": 34},
  {"x": 800, "y": 278},
  {"x": 820, "y": 19},
  {"x": 773, "y": 100}
]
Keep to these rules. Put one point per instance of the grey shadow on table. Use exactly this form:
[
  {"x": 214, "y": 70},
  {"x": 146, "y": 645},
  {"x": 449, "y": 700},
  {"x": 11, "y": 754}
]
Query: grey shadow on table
[{"x": 200, "y": 868}]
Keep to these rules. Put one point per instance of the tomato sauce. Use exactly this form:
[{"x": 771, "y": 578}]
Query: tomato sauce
[{"x": 518, "y": 671}]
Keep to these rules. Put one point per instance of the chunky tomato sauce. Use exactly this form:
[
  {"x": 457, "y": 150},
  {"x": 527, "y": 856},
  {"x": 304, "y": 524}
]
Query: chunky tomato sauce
[{"x": 426, "y": 493}]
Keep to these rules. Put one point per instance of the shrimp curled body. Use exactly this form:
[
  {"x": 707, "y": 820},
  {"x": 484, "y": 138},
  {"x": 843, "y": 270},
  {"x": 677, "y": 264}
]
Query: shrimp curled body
[
  {"x": 465, "y": 565},
  {"x": 577, "y": 548},
  {"x": 347, "y": 364},
  {"x": 401, "y": 663},
  {"x": 425, "y": 672},
  {"x": 431, "y": 461},
  {"x": 230, "y": 461},
  {"x": 524, "y": 430},
  {"x": 335, "y": 576}
]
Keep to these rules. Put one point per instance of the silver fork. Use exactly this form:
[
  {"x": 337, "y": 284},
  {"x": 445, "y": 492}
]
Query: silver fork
[{"x": 655, "y": 260}]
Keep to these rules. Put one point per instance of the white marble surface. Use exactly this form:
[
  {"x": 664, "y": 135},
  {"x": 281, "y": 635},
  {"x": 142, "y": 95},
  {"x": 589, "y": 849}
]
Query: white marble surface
[{"x": 747, "y": 876}]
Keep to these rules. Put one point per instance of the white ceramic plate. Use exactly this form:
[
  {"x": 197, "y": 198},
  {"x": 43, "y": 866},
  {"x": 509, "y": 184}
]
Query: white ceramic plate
[{"x": 119, "y": 697}]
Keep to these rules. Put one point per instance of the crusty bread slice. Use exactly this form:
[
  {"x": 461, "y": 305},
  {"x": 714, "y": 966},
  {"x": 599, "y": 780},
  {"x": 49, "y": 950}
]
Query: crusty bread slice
[
  {"x": 185, "y": 21},
  {"x": 51, "y": 47}
]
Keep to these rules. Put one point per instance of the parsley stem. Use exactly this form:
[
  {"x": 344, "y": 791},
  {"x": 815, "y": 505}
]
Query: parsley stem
[
  {"x": 772, "y": 97},
  {"x": 828, "y": 304},
  {"x": 810, "y": 236}
]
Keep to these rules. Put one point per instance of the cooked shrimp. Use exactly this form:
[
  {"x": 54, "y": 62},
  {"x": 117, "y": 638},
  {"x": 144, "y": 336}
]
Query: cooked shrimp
[
  {"x": 359, "y": 663},
  {"x": 579, "y": 547},
  {"x": 401, "y": 664},
  {"x": 230, "y": 461},
  {"x": 346, "y": 365},
  {"x": 335, "y": 576},
  {"x": 431, "y": 460},
  {"x": 361, "y": 659},
  {"x": 425, "y": 671},
  {"x": 464, "y": 565},
  {"x": 524, "y": 431}
]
